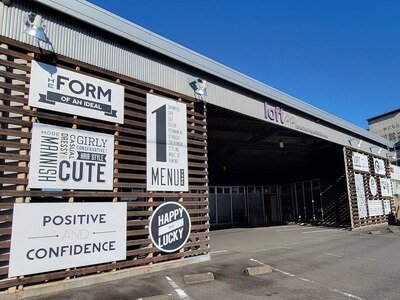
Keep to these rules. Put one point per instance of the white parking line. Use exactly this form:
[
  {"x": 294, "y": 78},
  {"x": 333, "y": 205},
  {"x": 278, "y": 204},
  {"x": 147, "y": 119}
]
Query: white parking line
[
  {"x": 310, "y": 281},
  {"x": 290, "y": 229},
  {"x": 262, "y": 250},
  {"x": 271, "y": 248},
  {"x": 334, "y": 255},
  {"x": 219, "y": 251},
  {"x": 317, "y": 231},
  {"x": 181, "y": 294}
]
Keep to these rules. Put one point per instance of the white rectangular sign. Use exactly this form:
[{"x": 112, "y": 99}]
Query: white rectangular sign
[
  {"x": 57, "y": 89},
  {"x": 54, "y": 236},
  {"x": 386, "y": 187},
  {"x": 379, "y": 166},
  {"x": 65, "y": 158},
  {"x": 360, "y": 162},
  {"x": 360, "y": 192},
  {"x": 386, "y": 206},
  {"x": 395, "y": 172},
  {"x": 167, "y": 153},
  {"x": 375, "y": 208}
]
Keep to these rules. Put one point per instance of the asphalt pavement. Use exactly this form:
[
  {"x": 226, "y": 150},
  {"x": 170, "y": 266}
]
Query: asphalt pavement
[{"x": 307, "y": 263}]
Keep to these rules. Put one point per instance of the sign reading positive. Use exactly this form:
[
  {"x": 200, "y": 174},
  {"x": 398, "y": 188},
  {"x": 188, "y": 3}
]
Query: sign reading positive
[
  {"x": 61, "y": 90},
  {"x": 375, "y": 208},
  {"x": 66, "y": 235},
  {"x": 170, "y": 227},
  {"x": 65, "y": 158},
  {"x": 167, "y": 158}
]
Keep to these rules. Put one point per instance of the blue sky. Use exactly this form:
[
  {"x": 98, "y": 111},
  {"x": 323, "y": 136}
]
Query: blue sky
[{"x": 342, "y": 56}]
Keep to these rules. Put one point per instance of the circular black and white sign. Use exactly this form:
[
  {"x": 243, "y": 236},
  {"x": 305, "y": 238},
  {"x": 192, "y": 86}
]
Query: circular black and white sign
[
  {"x": 373, "y": 186},
  {"x": 170, "y": 227}
]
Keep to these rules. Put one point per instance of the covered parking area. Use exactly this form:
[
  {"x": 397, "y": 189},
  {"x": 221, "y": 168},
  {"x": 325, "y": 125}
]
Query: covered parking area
[{"x": 262, "y": 173}]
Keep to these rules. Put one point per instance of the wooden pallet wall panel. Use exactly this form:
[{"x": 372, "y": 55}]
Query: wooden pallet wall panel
[{"x": 16, "y": 119}]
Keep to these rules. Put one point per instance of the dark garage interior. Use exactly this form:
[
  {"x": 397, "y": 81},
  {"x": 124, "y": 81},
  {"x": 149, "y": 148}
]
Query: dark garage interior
[{"x": 264, "y": 174}]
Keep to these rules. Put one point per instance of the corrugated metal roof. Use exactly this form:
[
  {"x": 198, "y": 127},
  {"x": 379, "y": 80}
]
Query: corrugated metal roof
[{"x": 116, "y": 25}]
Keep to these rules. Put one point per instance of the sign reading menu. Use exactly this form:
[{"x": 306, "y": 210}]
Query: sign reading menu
[
  {"x": 379, "y": 166},
  {"x": 167, "y": 153}
]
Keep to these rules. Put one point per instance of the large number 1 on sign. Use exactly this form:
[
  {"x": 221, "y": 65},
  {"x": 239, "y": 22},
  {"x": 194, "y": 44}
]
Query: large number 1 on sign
[{"x": 161, "y": 133}]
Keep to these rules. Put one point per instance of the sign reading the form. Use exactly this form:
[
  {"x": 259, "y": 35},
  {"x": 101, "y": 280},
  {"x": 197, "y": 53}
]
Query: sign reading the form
[
  {"x": 167, "y": 157},
  {"x": 61, "y": 90},
  {"x": 360, "y": 162},
  {"x": 66, "y": 235}
]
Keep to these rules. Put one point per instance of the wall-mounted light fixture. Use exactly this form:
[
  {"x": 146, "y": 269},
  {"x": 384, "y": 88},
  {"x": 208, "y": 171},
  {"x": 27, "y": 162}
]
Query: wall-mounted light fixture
[
  {"x": 198, "y": 85},
  {"x": 391, "y": 156},
  {"x": 281, "y": 145},
  {"x": 377, "y": 152},
  {"x": 34, "y": 27},
  {"x": 359, "y": 144}
]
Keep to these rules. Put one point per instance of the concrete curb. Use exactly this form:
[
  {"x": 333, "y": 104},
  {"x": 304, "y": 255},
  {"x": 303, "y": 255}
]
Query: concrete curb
[
  {"x": 197, "y": 278},
  {"x": 260, "y": 270},
  {"x": 375, "y": 232},
  {"x": 158, "y": 297},
  {"x": 393, "y": 229}
]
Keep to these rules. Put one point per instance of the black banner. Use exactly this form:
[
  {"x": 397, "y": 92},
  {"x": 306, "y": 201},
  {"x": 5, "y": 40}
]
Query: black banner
[
  {"x": 89, "y": 156},
  {"x": 52, "y": 98}
]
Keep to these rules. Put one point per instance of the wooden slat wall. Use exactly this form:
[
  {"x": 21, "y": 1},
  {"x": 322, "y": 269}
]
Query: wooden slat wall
[
  {"x": 356, "y": 221},
  {"x": 16, "y": 119}
]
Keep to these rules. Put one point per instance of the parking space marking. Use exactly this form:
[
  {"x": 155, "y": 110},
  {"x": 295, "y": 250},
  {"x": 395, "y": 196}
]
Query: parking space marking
[
  {"x": 331, "y": 254},
  {"x": 318, "y": 231},
  {"x": 181, "y": 293},
  {"x": 310, "y": 281},
  {"x": 291, "y": 229},
  {"x": 218, "y": 251},
  {"x": 271, "y": 248},
  {"x": 262, "y": 250}
]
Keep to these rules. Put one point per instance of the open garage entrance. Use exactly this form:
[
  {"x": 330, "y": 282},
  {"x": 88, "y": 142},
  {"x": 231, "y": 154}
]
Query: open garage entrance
[{"x": 264, "y": 174}]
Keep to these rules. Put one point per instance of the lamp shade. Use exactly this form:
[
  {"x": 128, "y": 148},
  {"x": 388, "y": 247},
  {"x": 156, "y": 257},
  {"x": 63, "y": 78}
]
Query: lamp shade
[{"x": 35, "y": 28}]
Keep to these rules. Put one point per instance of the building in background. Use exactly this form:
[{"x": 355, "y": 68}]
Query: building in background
[{"x": 387, "y": 125}]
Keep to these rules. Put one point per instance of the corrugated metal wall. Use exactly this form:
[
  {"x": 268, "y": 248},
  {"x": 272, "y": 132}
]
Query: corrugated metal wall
[
  {"x": 86, "y": 45},
  {"x": 83, "y": 44}
]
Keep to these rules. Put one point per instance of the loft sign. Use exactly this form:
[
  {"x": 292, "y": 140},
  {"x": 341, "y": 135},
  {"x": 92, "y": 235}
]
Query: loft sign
[
  {"x": 273, "y": 113},
  {"x": 61, "y": 90},
  {"x": 66, "y": 158},
  {"x": 166, "y": 145},
  {"x": 170, "y": 227}
]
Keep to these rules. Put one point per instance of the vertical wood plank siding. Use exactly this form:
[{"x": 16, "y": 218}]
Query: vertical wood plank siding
[
  {"x": 16, "y": 120},
  {"x": 357, "y": 222}
]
